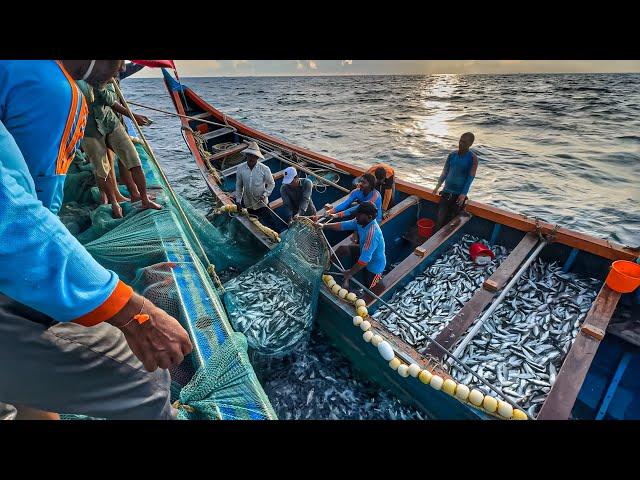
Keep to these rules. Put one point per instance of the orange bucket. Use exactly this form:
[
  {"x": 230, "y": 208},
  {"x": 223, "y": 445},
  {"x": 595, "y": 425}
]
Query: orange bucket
[
  {"x": 624, "y": 276},
  {"x": 425, "y": 227}
]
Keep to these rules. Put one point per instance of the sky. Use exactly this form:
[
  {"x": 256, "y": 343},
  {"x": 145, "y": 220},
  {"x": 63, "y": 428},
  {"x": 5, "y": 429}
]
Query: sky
[{"x": 233, "y": 68}]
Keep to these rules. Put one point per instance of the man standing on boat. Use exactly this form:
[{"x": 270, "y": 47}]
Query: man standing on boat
[
  {"x": 105, "y": 131},
  {"x": 77, "y": 339},
  {"x": 385, "y": 184},
  {"x": 369, "y": 255},
  {"x": 366, "y": 192},
  {"x": 296, "y": 195},
  {"x": 254, "y": 184},
  {"x": 458, "y": 173}
]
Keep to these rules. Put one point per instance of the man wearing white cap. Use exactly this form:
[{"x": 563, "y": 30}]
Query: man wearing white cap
[
  {"x": 296, "y": 195},
  {"x": 254, "y": 184}
]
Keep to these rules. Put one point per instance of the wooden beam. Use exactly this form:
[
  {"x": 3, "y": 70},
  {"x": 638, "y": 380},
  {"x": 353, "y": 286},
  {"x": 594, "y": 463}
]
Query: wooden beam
[
  {"x": 277, "y": 203},
  {"x": 226, "y": 153},
  {"x": 413, "y": 260},
  {"x": 459, "y": 324},
  {"x": 574, "y": 369}
]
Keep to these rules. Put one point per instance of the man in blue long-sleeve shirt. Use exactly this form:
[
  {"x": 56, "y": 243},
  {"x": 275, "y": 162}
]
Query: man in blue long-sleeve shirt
[
  {"x": 458, "y": 173},
  {"x": 78, "y": 339}
]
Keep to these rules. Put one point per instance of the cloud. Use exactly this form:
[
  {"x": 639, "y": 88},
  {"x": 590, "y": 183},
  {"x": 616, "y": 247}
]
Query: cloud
[
  {"x": 237, "y": 63},
  {"x": 299, "y": 65},
  {"x": 312, "y": 65},
  {"x": 347, "y": 62}
]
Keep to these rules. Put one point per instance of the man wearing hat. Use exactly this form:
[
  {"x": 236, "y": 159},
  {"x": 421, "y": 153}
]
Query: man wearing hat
[
  {"x": 254, "y": 184},
  {"x": 296, "y": 195}
]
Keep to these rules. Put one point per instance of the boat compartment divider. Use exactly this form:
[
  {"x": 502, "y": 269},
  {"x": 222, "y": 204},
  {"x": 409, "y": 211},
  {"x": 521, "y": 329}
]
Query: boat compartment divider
[
  {"x": 574, "y": 369},
  {"x": 483, "y": 296}
]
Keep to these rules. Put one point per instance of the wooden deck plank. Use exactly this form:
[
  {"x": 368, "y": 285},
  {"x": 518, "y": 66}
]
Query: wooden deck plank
[
  {"x": 574, "y": 369},
  {"x": 483, "y": 296},
  {"x": 226, "y": 153},
  {"x": 415, "y": 259}
]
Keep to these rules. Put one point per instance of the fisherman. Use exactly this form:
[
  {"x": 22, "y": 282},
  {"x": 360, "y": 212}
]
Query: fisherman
[
  {"x": 458, "y": 173},
  {"x": 296, "y": 195},
  {"x": 369, "y": 255},
  {"x": 105, "y": 131},
  {"x": 366, "y": 192},
  {"x": 385, "y": 184},
  {"x": 254, "y": 184},
  {"x": 85, "y": 344}
]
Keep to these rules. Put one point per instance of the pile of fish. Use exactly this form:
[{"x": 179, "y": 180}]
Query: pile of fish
[
  {"x": 520, "y": 348},
  {"x": 435, "y": 296},
  {"x": 270, "y": 308},
  {"x": 317, "y": 382}
]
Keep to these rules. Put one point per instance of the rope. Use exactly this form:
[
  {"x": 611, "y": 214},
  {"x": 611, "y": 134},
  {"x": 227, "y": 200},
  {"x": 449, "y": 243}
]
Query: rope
[
  {"x": 172, "y": 194},
  {"x": 183, "y": 116}
]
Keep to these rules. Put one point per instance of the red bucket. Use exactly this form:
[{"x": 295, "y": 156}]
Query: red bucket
[
  {"x": 425, "y": 227},
  {"x": 624, "y": 276}
]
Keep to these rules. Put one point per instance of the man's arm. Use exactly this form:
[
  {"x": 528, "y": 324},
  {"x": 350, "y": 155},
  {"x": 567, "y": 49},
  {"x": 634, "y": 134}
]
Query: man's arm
[
  {"x": 348, "y": 225},
  {"x": 44, "y": 267},
  {"x": 350, "y": 199},
  {"x": 269, "y": 181},
  {"x": 239, "y": 184},
  {"x": 307, "y": 190},
  {"x": 445, "y": 172},
  {"x": 472, "y": 174}
]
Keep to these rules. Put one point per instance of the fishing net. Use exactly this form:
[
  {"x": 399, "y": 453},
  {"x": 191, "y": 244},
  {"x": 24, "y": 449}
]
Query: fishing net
[
  {"x": 155, "y": 252},
  {"x": 274, "y": 302}
]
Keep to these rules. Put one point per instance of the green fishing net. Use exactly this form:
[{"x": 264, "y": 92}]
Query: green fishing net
[
  {"x": 274, "y": 302},
  {"x": 156, "y": 253}
]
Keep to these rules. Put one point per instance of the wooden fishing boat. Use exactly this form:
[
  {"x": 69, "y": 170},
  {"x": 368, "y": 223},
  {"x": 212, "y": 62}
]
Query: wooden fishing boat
[{"x": 599, "y": 374}]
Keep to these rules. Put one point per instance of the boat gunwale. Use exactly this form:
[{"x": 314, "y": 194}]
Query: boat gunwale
[{"x": 582, "y": 241}]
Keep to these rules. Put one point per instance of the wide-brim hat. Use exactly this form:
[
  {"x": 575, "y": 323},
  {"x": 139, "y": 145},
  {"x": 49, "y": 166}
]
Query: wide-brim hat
[{"x": 253, "y": 149}]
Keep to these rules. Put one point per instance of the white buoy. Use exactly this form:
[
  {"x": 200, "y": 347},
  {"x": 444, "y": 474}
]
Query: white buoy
[
  {"x": 335, "y": 289},
  {"x": 462, "y": 392},
  {"x": 357, "y": 320},
  {"x": 376, "y": 340},
  {"x": 414, "y": 370},
  {"x": 367, "y": 336},
  {"x": 360, "y": 303},
  {"x": 362, "y": 311},
  {"x": 351, "y": 297},
  {"x": 504, "y": 409},
  {"x": 476, "y": 397},
  {"x": 403, "y": 371},
  {"x": 490, "y": 404},
  {"x": 365, "y": 326},
  {"x": 436, "y": 382},
  {"x": 386, "y": 350},
  {"x": 331, "y": 283},
  {"x": 343, "y": 292}
]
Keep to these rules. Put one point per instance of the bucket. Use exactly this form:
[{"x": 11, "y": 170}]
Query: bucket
[
  {"x": 425, "y": 227},
  {"x": 624, "y": 276}
]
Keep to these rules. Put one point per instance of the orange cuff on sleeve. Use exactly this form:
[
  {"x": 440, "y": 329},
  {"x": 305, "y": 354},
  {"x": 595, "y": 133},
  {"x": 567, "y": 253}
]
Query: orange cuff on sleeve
[
  {"x": 112, "y": 305},
  {"x": 360, "y": 262}
]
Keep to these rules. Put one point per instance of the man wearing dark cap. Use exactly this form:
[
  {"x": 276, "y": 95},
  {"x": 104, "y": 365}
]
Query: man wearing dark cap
[{"x": 369, "y": 255}]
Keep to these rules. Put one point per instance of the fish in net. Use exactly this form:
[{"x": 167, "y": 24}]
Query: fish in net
[{"x": 274, "y": 302}]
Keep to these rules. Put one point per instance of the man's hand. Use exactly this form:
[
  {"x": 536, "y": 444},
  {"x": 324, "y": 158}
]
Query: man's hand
[
  {"x": 385, "y": 214},
  {"x": 141, "y": 120},
  {"x": 461, "y": 199},
  {"x": 159, "y": 342},
  {"x": 345, "y": 281},
  {"x": 435, "y": 190}
]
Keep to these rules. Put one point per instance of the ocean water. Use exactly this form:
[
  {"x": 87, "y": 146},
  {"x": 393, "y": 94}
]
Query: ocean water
[{"x": 563, "y": 148}]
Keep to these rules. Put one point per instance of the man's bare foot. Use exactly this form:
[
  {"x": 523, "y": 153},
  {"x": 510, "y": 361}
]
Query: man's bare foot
[
  {"x": 116, "y": 210},
  {"x": 103, "y": 198},
  {"x": 135, "y": 198},
  {"x": 150, "y": 204},
  {"x": 121, "y": 198}
]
